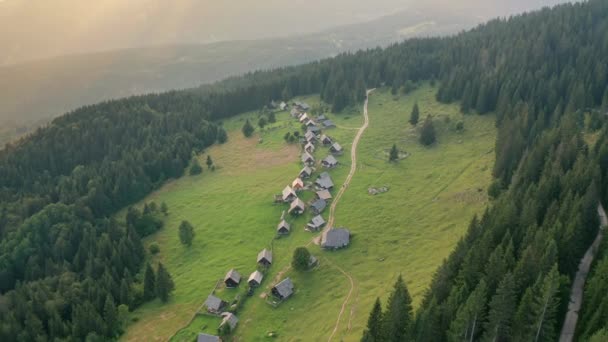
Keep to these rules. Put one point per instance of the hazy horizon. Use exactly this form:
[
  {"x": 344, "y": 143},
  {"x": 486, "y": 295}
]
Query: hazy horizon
[{"x": 62, "y": 27}]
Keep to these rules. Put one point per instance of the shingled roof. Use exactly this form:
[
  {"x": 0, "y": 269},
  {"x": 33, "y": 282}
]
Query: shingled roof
[
  {"x": 310, "y": 136},
  {"x": 288, "y": 194},
  {"x": 255, "y": 277},
  {"x": 207, "y": 338},
  {"x": 324, "y": 181},
  {"x": 297, "y": 205},
  {"x": 307, "y": 158},
  {"x": 335, "y": 238},
  {"x": 324, "y": 194},
  {"x": 214, "y": 304},
  {"x": 284, "y": 289},
  {"x": 265, "y": 256},
  {"x": 316, "y": 222},
  {"x": 297, "y": 183},
  {"x": 319, "y": 205},
  {"x": 335, "y": 147},
  {"x": 305, "y": 172},
  {"x": 329, "y": 161},
  {"x": 230, "y": 319},
  {"x": 284, "y": 227},
  {"x": 233, "y": 275}
]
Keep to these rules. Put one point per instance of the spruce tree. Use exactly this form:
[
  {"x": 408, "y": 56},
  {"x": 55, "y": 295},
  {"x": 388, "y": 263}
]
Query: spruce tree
[
  {"x": 110, "y": 316},
  {"x": 415, "y": 115},
  {"x": 222, "y": 136},
  {"x": 247, "y": 129},
  {"x": 469, "y": 317},
  {"x": 149, "y": 283},
  {"x": 373, "y": 333},
  {"x": 262, "y": 122},
  {"x": 545, "y": 306},
  {"x": 164, "y": 283},
  {"x": 195, "y": 167},
  {"x": 186, "y": 233},
  {"x": 301, "y": 259},
  {"x": 164, "y": 208},
  {"x": 393, "y": 154},
  {"x": 124, "y": 292},
  {"x": 397, "y": 319},
  {"x": 502, "y": 310},
  {"x": 209, "y": 162},
  {"x": 272, "y": 118},
  {"x": 427, "y": 134}
]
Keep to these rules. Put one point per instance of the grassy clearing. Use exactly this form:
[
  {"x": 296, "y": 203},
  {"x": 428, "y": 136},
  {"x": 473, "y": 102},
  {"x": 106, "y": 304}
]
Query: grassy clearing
[{"x": 433, "y": 194}]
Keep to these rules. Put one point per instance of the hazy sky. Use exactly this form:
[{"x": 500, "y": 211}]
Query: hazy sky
[{"x": 40, "y": 28}]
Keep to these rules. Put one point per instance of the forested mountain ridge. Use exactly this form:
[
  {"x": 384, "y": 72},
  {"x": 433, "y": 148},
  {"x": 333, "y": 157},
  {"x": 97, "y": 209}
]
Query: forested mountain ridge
[{"x": 63, "y": 261}]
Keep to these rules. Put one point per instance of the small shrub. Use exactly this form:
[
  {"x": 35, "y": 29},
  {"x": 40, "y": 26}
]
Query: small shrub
[{"x": 154, "y": 249}]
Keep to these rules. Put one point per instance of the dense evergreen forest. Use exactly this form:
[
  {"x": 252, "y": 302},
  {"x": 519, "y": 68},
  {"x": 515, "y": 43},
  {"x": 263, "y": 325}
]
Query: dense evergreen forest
[{"x": 66, "y": 264}]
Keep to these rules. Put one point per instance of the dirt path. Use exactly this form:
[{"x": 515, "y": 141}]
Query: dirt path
[
  {"x": 352, "y": 286},
  {"x": 332, "y": 208},
  {"x": 353, "y": 165},
  {"x": 576, "y": 294}
]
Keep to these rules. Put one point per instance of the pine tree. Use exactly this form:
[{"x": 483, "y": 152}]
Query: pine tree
[
  {"x": 195, "y": 167},
  {"x": 427, "y": 134},
  {"x": 393, "y": 154},
  {"x": 397, "y": 319},
  {"x": 247, "y": 129},
  {"x": 262, "y": 122},
  {"x": 523, "y": 317},
  {"x": 222, "y": 136},
  {"x": 124, "y": 292},
  {"x": 373, "y": 333},
  {"x": 272, "y": 118},
  {"x": 415, "y": 115},
  {"x": 502, "y": 310},
  {"x": 469, "y": 317},
  {"x": 545, "y": 306},
  {"x": 186, "y": 233},
  {"x": 164, "y": 283},
  {"x": 149, "y": 283},
  {"x": 110, "y": 317},
  {"x": 286, "y": 93},
  {"x": 301, "y": 259}
]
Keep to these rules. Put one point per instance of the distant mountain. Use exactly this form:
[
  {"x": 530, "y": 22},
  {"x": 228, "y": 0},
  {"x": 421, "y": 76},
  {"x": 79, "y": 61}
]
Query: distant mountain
[
  {"x": 40, "y": 90},
  {"x": 35, "y": 91},
  {"x": 37, "y": 29}
]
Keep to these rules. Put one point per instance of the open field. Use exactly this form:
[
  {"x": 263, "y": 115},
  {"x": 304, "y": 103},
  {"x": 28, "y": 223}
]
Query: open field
[{"x": 433, "y": 194}]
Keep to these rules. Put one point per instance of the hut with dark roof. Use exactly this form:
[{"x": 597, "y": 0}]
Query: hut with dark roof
[
  {"x": 283, "y": 290},
  {"x": 316, "y": 223},
  {"x": 214, "y": 304},
  {"x": 329, "y": 161},
  {"x": 335, "y": 238},
  {"x": 265, "y": 257},
  {"x": 232, "y": 278},
  {"x": 297, "y": 207},
  {"x": 283, "y": 227},
  {"x": 255, "y": 279}
]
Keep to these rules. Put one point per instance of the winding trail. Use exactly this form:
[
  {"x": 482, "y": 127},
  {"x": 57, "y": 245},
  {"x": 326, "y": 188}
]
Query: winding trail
[
  {"x": 576, "y": 294},
  {"x": 332, "y": 208},
  {"x": 353, "y": 165}
]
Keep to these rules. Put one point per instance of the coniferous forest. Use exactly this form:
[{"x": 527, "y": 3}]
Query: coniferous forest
[{"x": 68, "y": 267}]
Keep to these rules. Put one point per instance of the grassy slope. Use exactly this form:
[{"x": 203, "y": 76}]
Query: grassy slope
[{"x": 433, "y": 194}]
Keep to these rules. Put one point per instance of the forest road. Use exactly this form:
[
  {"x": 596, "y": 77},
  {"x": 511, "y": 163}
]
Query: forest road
[{"x": 576, "y": 294}]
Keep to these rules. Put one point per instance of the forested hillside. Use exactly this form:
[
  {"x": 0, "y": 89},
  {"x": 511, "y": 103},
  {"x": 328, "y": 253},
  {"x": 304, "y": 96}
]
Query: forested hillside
[{"x": 63, "y": 259}]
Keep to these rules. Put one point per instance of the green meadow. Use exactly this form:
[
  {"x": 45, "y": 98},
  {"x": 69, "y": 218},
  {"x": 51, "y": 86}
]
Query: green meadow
[{"x": 433, "y": 194}]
